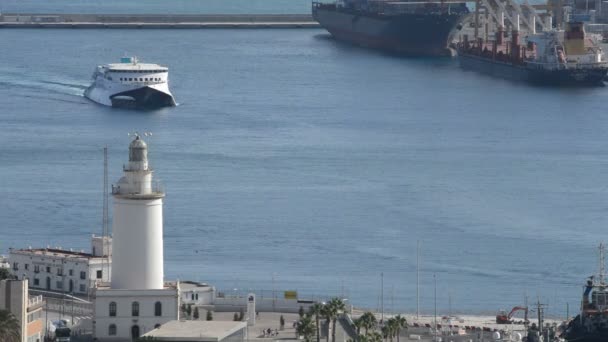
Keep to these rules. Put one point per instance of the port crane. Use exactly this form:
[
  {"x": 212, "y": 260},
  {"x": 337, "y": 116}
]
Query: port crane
[{"x": 503, "y": 318}]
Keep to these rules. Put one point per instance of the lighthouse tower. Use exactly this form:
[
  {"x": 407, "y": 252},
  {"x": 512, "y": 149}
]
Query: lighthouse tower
[{"x": 138, "y": 225}]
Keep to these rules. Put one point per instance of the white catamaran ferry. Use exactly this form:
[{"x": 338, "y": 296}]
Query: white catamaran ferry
[{"x": 131, "y": 84}]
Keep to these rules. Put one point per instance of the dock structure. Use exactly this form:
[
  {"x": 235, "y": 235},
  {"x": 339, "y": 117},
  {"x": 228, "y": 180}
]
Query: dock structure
[{"x": 156, "y": 21}]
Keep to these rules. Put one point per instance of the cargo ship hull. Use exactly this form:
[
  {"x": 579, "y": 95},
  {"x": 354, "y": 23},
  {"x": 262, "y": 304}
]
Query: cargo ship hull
[
  {"x": 415, "y": 34},
  {"x": 525, "y": 73}
]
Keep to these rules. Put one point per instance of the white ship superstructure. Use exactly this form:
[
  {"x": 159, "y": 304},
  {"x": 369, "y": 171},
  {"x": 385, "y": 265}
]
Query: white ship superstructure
[{"x": 131, "y": 84}]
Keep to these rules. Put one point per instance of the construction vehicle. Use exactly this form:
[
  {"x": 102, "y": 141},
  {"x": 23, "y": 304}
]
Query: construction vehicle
[{"x": 503, "y": 318}]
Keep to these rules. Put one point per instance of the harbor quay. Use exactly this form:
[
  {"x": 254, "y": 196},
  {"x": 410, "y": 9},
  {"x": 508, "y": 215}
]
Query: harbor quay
[{"x": 156, "y": 21}]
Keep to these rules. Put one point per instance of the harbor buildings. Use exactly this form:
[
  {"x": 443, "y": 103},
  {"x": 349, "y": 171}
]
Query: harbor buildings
[
  {"x": 137, "y": 299},
  {"x": 58, "y": 269},
  {"x": 15, "y": 298}
]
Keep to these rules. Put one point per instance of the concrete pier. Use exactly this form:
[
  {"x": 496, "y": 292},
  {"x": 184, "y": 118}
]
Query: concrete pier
[{"x": 156, "y": 21}]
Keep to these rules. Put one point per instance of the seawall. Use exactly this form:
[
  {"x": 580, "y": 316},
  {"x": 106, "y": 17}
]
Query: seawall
[{"x": 156, "y": 21}]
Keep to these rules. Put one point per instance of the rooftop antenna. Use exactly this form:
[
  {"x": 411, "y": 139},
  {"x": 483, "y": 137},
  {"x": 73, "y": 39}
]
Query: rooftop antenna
[
  {"x": 602, "y": 267},
  {"x": 105, "y": 229}
]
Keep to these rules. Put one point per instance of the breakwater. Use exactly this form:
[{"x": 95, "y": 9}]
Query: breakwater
[{"x": 189, "y": 21}]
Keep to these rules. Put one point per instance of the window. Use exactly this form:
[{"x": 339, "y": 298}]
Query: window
[
  {"x": 27, "y": 266},
  {"x": 83, "y": 288},
  {"x": 59, "y": 285},
  {"x": 48, "y": 269},
  {"x": 36, "y": 269},
  {"x": 113, "y": 309},
  {"x": 146, "y": 79},
  {"x": 135, "y": 309},
  {"x": 130, "y": 79},
  {"x": 112, "y": 330},
  {"x": 15, "y": 266},
  {"x": 141, "y": 79},
  {"x": 71, "y": 272},
  {"x": 158, "y": 309},
  {"x": 59, "y": 271},
  {"x": 99, "y": 274},
  {"x": 83, "y": 275},
  {"x": 36, "y": 282}
]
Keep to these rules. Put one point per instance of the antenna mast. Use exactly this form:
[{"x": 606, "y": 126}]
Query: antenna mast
[
  {"x": 602, "y": 267},
  {"x": 105, "y": 231}
]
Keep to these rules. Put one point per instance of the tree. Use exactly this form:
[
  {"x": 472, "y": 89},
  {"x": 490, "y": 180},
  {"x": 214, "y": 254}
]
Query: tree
[
  {"x": 369, "y": 321},
  {"x": 372, "y": 337},
  {"x": 306, "y": 328},
  {"x": 189, "y": 310},
  {"x": 301, "y": 312},
  {"x": 334, "y": 308},
  {"x": 317, "y": 310},
  {"x": 326, "y": 313},
  {"x": 389, "y": 329},
  {"x": 400, "y": 323},
  {"x": 5, "y": 273},
  {"x": 209, "y": 315},
  {"x": 235, "y": 317},
  {"x": 195, "y": 314},
  {"x": 358, "y": 324},
  {"x": 10, "y": 330}
]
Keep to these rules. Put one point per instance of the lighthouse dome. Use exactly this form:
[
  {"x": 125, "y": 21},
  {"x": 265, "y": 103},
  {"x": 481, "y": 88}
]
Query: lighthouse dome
[{"x": 138, "y": 150}]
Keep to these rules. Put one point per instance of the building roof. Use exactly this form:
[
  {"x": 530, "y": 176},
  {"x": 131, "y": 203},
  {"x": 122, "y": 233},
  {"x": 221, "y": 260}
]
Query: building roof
[
  {"x": 62, "y": 253},
  {"x": 196, "y": 331}
]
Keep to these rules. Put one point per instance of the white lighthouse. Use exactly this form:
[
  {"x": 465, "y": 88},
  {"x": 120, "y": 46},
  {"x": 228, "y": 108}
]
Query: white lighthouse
[
  {"x": 138, "y": 224},
  {"x": 137, "y": 300}
]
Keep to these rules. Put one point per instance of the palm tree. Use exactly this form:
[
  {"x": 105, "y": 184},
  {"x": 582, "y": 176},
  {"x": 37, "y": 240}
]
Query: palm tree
[
  {"x": 372, "y": 337},
  {"x": 326, "y": 313},
  {"x": 334, "y": 308},
  {"x": 369, "y": 321},
  {"x": 317, "y": 310},
  {"x": 306, "y": 328},
  {"x": 391, "y": 328},
  {"x": 400, "y": 323},
  {"x": 358, "y": 324},
  {"x": 10, "y": 329}
]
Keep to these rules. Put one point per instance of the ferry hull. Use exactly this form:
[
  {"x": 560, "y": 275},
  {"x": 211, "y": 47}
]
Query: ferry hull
[
  {"x": 147, "y": 97},
  {"x": 414, "y": 34},
  {"x": 565, "y": 77}
]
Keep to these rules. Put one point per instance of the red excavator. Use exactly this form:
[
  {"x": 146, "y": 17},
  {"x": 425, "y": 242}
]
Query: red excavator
[{"x": 503, "y": 318}]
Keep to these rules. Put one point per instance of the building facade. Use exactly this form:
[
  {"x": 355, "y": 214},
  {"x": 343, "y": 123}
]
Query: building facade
[
  {"x": 14, "y": 297},
  {"x": 124, "y": 315},
  {"x": 60, "y": 270}
]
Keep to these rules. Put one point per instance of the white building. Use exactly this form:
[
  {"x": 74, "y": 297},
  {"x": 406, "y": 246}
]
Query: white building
[
  {"x": 14, "y": 297},
  {"x": 196, "y": 293},
  {"x": 121, "y": 315},
  {"x": 57, "y": 269},
  {"x": 137, "y": 300}
]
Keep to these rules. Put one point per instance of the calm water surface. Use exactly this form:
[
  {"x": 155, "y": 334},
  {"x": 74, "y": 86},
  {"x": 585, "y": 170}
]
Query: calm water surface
[{"x": 317, "y": 164}]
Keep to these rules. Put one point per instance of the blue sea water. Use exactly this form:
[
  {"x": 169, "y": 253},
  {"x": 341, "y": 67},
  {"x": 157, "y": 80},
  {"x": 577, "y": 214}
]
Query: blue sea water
[{"x": 297, "y": 162}]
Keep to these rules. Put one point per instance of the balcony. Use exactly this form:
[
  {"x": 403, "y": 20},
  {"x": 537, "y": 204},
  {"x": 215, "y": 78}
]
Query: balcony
[
  {"x": 35, "y": 302},
  {"x": 139, "y": 190}
]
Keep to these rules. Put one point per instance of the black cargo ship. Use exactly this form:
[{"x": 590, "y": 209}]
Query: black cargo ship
[
  {"x": 407, "y": 28},
  {"x": 552, "y": 57}
]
